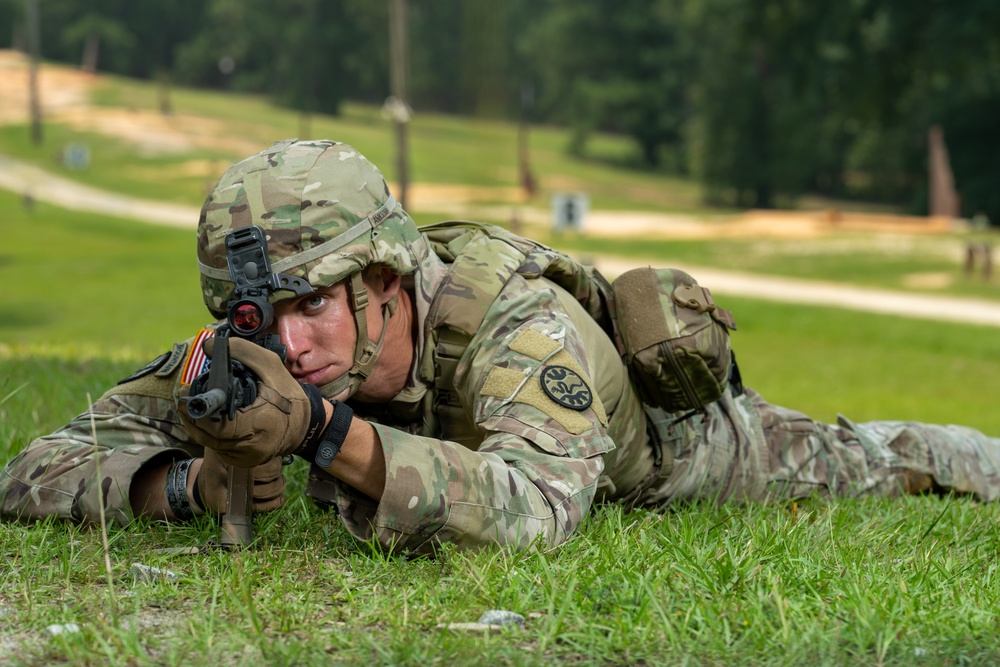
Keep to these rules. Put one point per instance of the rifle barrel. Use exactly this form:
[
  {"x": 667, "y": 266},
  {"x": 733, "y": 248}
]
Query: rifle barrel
[{"x": 207, "y": 403}]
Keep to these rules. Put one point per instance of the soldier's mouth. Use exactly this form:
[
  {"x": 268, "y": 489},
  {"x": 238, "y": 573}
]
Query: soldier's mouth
[{"x": 317, "y": 377}]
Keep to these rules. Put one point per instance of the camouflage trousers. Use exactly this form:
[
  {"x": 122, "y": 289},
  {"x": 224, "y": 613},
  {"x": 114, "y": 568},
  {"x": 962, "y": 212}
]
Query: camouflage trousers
[{"x": 745, "y": 449}]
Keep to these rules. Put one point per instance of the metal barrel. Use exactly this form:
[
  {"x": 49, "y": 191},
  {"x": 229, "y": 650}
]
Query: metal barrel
[{"x": 207, "y": 403}]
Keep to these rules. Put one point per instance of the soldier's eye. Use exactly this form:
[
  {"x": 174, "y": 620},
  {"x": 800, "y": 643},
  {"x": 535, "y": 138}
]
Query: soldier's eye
[{"x": 315, "y": 301}]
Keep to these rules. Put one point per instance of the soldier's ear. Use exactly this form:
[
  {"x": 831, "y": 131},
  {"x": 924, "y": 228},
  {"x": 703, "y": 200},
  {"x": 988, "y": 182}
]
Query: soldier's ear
[
  {"x": 391, "y": 286},
  {"x": 382, "y": 282}
]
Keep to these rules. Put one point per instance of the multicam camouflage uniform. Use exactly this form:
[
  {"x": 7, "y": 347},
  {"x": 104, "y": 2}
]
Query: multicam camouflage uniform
[{"x": 484, "y": 450}]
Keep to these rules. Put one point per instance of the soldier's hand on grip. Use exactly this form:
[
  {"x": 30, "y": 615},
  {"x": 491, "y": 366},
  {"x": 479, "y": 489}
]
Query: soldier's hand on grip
[
  {"x": 274, "y": 425},
  {"x": 268, "y": 484}
]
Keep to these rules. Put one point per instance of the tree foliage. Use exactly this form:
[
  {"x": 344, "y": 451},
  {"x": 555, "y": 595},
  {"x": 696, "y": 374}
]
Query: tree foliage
[
  {"x": 619, "y": 65},
  {"x": 761, "y": 100}
]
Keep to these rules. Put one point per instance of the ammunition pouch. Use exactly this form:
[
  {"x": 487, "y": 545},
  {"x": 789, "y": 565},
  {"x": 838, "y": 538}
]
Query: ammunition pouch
[{"x": 676, "y": 339}]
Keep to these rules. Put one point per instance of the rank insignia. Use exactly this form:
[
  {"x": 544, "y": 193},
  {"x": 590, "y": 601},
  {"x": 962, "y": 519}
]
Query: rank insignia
[{"x": 566, "y": 387}]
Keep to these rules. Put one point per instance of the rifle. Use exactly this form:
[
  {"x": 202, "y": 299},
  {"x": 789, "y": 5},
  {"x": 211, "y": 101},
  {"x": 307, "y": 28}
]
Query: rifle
[{"x": 228, "y": 385}]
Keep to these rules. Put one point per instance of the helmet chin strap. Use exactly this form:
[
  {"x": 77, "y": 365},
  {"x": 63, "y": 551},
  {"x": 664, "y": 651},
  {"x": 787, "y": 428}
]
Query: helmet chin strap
[{"x": 365, "y": 350}]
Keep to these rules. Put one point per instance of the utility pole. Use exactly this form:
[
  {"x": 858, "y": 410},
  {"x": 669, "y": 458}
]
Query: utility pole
[
  {"x": 31, "y": 18},
  {"x": 397, "y": 104}
]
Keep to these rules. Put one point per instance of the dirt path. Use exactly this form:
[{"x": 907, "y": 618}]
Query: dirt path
[
  {"x": 822, "y": 293},
  {"x": 48, "y": 187}
]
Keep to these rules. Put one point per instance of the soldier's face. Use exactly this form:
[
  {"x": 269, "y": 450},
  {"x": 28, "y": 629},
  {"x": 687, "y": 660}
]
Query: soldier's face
[{"x": 319, "y": 332}]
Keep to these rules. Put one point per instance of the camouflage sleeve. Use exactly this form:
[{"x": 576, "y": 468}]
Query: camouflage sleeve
[
  {"x": 57, "y": 474},
  {"x": 524, "y": 381}
]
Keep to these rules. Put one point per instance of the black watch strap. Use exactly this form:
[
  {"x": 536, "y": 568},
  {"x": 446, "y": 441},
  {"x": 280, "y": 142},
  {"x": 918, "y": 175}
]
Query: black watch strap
[
  {"x": 317, "y": 422},
  {"x": 334, "y": 435}
]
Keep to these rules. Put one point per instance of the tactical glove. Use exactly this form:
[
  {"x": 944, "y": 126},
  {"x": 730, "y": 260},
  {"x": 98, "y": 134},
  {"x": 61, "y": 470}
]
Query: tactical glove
[
  {"x": 268, "y": 488},
  {"x": 278, "y": 421}
]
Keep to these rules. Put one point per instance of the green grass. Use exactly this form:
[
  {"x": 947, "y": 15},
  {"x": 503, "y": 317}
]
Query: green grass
[
  {"x": 82, "y": 280},
  {"x": 894, "y": 582},
  {"x": 861, "y": 582},
  {"x": 867, "y": 582},
  {"x": 825, "y": 361}
]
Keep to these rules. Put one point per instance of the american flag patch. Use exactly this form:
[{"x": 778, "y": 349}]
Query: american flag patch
[{"x": 197, "y": 363}]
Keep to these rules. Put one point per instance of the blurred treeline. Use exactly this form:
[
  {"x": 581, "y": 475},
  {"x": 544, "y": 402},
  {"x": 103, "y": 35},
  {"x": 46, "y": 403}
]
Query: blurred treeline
[{"x": 759, "y": 100}]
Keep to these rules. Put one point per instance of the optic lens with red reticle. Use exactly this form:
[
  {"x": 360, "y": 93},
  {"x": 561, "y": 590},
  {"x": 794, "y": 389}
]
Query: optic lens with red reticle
[{"x": 246, "y": 318}]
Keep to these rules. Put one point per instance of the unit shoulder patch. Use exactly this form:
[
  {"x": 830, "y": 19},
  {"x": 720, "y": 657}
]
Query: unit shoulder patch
[
  {"x": 542, "y": 374},
  {"x": 566, "y": 387}
]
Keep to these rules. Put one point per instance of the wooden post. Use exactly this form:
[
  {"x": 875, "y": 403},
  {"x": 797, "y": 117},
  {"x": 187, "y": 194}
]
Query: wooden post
[
  {"x": 944, "y": 198},
  {"x": 397, "y": 83},
  {"x": 31, "y": 17},
  {"x": 528, "y": 184},
  {"x": 970, "y": 259},
  {"x": 91, "y": 50}
]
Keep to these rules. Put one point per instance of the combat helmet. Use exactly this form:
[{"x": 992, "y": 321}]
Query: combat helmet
[{"x": 327, "y": 213}]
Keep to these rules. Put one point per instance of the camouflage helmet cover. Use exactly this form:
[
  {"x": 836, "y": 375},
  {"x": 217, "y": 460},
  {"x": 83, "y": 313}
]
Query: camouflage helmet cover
[{"x": 326, "y": 210}]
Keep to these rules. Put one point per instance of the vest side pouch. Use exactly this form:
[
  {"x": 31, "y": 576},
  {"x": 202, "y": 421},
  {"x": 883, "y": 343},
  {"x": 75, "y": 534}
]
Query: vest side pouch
[{"x": 676, "y": 339}]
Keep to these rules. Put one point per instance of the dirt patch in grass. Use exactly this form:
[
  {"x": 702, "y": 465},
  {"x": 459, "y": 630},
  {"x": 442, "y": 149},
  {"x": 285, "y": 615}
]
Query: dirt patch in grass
[
  {"x": 64, "y": 94},
  {"x": 59, "y": 88}
]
